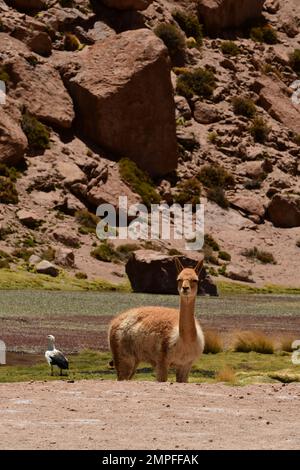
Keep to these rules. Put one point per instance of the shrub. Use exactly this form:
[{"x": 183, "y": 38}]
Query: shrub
[
  {"x": 8, "y": 191},
  {"x": 188, "y": 192},
  {"x": 4, "y": 76},
  {"x": 190, "y": 25},
  {"x": 174, "y": 252},
  {"x": 286, "y": 343},
  {"x": 243, "y": 107},
  {"x": 200, "y": 82},
  {"x": 213, "y": 342},
  {"x": 72, "y": 43},
  {"x": 87, "y": 220},
  {"x": 224, "y": 256},
  {"x": 226, "y": 374},
  {"x": 295, "y": 60},
  {"x": 8, "y": 172},
  {"x": 253, "y": 184},
  {"x": 209, "y": 255},
  {"x": 139, "y": 181},
  {"x": 22, "y": 253},
  {"x": 48, "y": 253},
  {"x": 213, "y": 176},
  {"x": 105, "y": 252},
  {"x": 263, "y": 256},
  {"x": 218, "y": 196},
  {"x": 212, "y": 137},
  {"x": 297, "y": 139},
  {"x": 230, "y": 48},
  {"x": 210, "y": 241},
  {"x": 259, "y": 130},
  {"x": 5, "y": 258},
  {"x": 124, "y": 251},
  {"x": 264, "y": 34},
  {"x": 172, "y": 38},
  {"x": 37, "y": 134},
  {"x": 253, "y": 341},
  {"x": 80, "y": 275},
  {"x": 298, "y": 243}
]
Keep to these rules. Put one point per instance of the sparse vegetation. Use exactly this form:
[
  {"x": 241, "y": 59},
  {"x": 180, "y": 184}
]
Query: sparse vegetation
[
  {"x": 295, "y": 60},
  {"x": 230, "y": 48},
  {"x": 72, "y": 43},
  {"x": 210, "y": 241},
  {"x": 212, "y": 137},
  {"x": 4, "y": 75},
  {"x": 37, "y": 134},
  {"x": 210, "y": 257},
  {"x": 265, "y": 34},
  {"x": 189, "y": 192},
  {"x": 298, "y": 243},
  {"x": 48, "y": 253},
  {"x": 8, "y": 191},
  {"x": 199, "y": 82},
  {"x": 139, "y": 181},
  {"x": 218, "y": 196},
  {"x": 81, "y": 275},
  {"x": 213, "y": 342},
  {"x": 243, "y": 107},
  {"x": 22, "y": 253},
  {"x": 190, "y": 25},
  {"x": 227, "y": 374},
  {"x": 8, "y": 172},
  {"x": 253, "y": 341},
  {"x": 286, "y": 343},
  {"x": 259, "y": 130},
  {"x": 263, "y": 256},
  {"x": 87, "y": 221},
  {"x": 173, "y": 39},
  {"x": 105, "y": 252},
  {"x": 213, "y": 176},
  {"x": 224, "y": 256},
  {"x": 297, "y": 139},
  {"x": 124, "y": 251}
]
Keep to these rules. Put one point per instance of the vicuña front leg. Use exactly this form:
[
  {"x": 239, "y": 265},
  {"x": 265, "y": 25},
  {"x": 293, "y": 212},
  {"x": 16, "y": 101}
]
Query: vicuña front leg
[
  {"x": 182, "y": 373},
  {"x": 162, "y": 371}
]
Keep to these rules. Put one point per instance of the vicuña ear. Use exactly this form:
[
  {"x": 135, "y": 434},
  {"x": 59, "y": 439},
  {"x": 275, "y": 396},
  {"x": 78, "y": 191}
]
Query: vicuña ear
[
  {"x": 199, "y": 266},
  {"x": 178, "y": 264}
]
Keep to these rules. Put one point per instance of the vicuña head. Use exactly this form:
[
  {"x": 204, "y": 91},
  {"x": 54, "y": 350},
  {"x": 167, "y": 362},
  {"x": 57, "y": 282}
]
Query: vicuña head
[{"x": 161, "y": 336}]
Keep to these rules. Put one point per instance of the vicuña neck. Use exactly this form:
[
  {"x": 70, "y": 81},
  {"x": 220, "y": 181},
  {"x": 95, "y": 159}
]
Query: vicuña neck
[{"x": 187, "y": 325}]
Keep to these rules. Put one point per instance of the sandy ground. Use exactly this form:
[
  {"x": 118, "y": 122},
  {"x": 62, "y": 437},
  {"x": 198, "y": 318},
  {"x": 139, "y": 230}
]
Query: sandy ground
[{"x": 143, "y": 415}]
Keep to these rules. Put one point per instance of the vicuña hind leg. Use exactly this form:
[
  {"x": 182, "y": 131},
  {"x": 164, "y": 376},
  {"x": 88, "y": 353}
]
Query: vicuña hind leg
[{"x": 182, "y": 373}]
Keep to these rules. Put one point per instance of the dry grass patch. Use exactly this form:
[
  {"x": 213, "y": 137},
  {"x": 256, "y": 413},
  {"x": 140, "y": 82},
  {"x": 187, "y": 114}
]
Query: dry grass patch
[
  {"x": 247, "y": 341},
  {"x": 226, "y": 374},
  {"x": 213, "y": 342}
]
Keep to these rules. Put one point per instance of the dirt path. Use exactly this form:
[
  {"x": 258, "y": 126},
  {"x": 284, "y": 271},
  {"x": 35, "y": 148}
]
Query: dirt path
[{"x": 143, "y": 415}]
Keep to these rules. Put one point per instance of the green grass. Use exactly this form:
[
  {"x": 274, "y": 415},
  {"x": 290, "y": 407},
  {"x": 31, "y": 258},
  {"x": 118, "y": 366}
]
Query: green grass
[
  {"x": 248, "y": 368},
  {"x": 233, "y": 288},
  {"x": 27, "y": 280}
]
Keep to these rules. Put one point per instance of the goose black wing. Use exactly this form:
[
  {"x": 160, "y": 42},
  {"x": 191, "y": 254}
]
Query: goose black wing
[{"x": 59, "y": 360}]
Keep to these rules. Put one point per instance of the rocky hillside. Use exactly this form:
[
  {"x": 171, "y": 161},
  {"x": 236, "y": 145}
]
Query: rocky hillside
[{"x": 161, "y": 101}]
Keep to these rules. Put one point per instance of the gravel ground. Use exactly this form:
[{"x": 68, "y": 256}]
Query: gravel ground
[{"x": 143, "y": 415}]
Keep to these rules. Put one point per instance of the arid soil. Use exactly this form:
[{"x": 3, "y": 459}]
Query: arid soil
[{"x": 140, "y": 415}]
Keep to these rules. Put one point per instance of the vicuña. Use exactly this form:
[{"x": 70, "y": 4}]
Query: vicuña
[{"x": 161, "y": 336}]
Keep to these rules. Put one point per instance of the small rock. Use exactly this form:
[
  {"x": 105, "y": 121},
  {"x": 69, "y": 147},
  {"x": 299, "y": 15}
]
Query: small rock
[{"x": 45, "y": 267}]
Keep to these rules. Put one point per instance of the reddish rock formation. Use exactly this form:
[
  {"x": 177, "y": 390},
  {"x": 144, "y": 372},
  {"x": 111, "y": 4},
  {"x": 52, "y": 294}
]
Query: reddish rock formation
[
  {"x": 155, "y": 273},
  {"x": 124, "y": 100},
  {"x": 221, "y": 14}
]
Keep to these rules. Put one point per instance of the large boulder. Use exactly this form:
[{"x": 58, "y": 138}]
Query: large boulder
[
  {"x": 217, "y": 15},
  {"x": 155, "y": 273},
  {"x": 13, "y": 141},
  {"x": 123, "y": 96},
  {"x": 275, "y": 98},
  {"x": 284, "y": 211},
  {"x": 37, "y": 86},
  {"x": 127, "y": 4}
]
